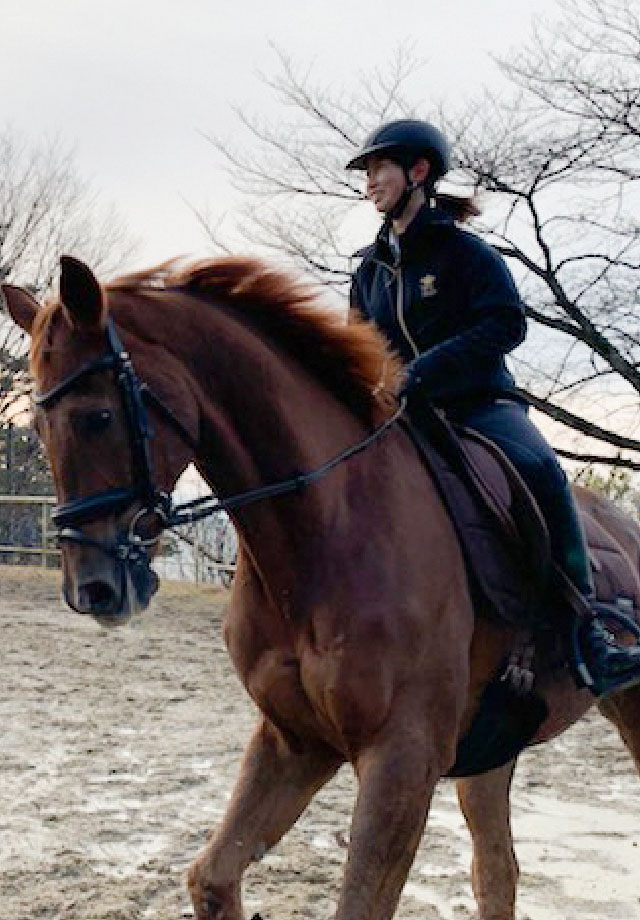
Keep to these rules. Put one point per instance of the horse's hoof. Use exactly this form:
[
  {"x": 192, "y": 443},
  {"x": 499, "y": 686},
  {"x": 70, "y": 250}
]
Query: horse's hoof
[{"x": 210, "y": 909}]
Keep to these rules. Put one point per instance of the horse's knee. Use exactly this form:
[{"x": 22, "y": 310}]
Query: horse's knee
[{"x": 212, "y": 900}]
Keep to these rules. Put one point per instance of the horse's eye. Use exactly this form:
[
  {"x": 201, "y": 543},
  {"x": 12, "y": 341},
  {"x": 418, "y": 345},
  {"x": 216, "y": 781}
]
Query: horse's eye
[{"x": 93, "y": 423}]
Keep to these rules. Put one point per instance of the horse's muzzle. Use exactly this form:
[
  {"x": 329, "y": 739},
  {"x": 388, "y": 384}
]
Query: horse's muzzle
[{"x": 113, "y": 594}]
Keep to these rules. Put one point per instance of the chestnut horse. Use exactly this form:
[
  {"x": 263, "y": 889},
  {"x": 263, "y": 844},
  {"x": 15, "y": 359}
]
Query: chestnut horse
[{"x": 351, "y": 623}]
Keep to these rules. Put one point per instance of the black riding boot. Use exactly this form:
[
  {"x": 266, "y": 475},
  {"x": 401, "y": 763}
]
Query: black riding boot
[{"x": 605, "y": 666}]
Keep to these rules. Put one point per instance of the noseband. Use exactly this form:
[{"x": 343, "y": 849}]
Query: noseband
[{"x": 131, "y": 548}]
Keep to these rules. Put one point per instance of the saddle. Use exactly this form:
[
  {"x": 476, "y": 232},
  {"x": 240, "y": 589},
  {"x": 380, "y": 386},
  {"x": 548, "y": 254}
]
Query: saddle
[{"x": 503, "y": 535}]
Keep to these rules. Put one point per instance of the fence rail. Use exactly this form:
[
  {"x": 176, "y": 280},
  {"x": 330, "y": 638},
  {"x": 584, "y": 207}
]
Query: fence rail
[{"x": 44, "y": 547}]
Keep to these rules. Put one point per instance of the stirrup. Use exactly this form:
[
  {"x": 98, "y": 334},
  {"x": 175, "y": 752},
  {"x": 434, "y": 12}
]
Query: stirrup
[{"x": 600, "y": 612}]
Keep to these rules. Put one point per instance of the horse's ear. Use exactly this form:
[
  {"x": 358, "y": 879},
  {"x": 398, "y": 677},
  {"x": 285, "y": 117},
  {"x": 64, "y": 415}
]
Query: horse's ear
[
  {"x": 21, "y": 305},
  {"x": 80, "y": 294}
]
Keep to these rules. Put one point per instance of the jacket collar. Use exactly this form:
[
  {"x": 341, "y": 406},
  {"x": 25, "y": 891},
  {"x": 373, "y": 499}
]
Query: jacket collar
[{"x": 412, "y": 240}]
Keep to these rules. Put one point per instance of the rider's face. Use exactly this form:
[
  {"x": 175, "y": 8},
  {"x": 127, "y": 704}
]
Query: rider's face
[{"x": 385, "y": 183}]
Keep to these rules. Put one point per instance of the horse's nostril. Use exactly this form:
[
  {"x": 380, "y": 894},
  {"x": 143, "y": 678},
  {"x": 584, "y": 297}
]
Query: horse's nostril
[{"x": 97, "y": 596}]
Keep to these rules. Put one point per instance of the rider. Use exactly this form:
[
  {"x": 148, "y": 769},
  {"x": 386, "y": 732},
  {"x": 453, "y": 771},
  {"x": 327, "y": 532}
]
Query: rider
[{"x": 446, "y": 301}]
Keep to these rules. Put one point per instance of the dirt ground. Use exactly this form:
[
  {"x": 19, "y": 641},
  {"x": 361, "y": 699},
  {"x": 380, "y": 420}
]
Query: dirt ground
[{"x": 120, "y": 749}]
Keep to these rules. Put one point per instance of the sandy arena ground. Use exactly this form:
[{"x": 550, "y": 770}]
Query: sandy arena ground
[{"x": 120, "y": 749}]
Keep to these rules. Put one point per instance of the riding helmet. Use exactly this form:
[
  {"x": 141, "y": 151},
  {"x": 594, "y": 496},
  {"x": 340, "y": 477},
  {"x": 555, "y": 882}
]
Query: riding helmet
[{"x": 405, "y": 141}]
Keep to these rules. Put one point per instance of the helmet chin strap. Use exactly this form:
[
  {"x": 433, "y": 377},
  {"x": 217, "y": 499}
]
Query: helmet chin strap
[{"x": 396, "y": 212}]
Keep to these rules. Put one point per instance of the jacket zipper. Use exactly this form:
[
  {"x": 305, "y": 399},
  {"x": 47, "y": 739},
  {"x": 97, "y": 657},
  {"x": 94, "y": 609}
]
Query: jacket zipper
[{"x": 400, "y": 313}]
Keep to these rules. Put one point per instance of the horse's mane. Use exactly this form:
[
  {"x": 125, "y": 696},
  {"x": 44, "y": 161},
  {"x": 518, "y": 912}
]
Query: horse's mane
[{"x": 352, "y": 359}]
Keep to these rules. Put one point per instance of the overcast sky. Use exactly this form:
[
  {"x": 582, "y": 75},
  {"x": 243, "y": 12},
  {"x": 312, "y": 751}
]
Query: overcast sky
[{"x": 130, "y": 84}]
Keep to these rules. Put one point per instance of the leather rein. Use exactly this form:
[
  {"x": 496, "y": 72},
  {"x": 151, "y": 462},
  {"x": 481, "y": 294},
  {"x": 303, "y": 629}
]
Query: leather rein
[{"x": 131, "y": 546}]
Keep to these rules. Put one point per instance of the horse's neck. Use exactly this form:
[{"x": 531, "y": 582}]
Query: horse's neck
[{"x": 264, "y": 420}]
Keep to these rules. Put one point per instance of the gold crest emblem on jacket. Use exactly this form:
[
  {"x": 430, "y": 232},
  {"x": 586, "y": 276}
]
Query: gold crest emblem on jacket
[{"x": 428, "y": 286}]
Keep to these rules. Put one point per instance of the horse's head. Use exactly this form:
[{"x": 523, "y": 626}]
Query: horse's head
[{"x": 95, "y": 403}]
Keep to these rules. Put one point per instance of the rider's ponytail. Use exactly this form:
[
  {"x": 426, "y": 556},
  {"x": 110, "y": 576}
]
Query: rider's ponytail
[{"x": 461, "y": 209}]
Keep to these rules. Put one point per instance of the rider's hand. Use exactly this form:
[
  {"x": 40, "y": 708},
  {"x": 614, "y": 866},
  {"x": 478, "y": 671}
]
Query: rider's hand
[{"x": 412, "y": 380}]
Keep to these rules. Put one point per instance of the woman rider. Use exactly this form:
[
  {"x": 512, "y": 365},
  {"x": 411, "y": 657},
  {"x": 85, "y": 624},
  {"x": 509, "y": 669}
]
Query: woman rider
[{"x": 446, "y": 301}]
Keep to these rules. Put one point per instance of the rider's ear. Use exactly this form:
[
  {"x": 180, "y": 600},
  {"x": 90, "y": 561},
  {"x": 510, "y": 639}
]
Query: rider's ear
[
  {"x": 21, "y": 305},
  {"x": 81, "y": 295},
  {"x": 420, "y": 170}
]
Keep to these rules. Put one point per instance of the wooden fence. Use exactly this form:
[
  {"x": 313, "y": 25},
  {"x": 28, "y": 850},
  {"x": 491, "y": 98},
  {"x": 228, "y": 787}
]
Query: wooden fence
[{"x": 42, "y": 548}]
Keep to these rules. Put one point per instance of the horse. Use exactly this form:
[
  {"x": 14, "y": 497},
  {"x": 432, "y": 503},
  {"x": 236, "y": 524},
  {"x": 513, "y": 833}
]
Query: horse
[{"x": 351, "y": 620}]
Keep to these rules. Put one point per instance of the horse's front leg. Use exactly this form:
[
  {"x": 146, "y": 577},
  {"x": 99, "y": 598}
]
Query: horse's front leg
[
  {"x": 275, "y": 785},
  {"x": 484, "y": 801},
  {"x": 396, "y": 780}
]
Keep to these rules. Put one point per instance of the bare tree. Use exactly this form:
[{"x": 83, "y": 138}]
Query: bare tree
[
  {"x": 562, "y": 159},
  {"x": 45, "y": 209},
  {"x": 556, "y": 154},
  {"x": 291, "y": 171}
]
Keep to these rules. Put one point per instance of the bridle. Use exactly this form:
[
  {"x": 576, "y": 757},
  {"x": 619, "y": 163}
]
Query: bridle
[{"x": 131, "y": 547}]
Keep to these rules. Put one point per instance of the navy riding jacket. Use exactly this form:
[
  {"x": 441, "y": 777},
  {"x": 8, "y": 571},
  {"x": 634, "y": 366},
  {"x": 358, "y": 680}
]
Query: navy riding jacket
[{"x": 447, "y": 302}]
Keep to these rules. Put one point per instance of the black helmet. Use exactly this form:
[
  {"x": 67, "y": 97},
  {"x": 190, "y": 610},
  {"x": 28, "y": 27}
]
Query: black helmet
[{"x": 406, "y": 141}]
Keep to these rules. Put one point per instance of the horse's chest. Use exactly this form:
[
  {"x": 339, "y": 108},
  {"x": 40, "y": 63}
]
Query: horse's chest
[
  {"x": 327, "y": 686},
  {"x": 266, "y": 664},
  {"x": 317, "y": 696},
  {"x": 274, "y": 680},
  {"x": 275, "y": 684}
]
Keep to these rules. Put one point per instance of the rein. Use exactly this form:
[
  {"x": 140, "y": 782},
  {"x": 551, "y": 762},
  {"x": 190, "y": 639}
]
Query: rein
[
  {"x": 131, "y": 546},
  {"x": 199, "y": 508}
]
